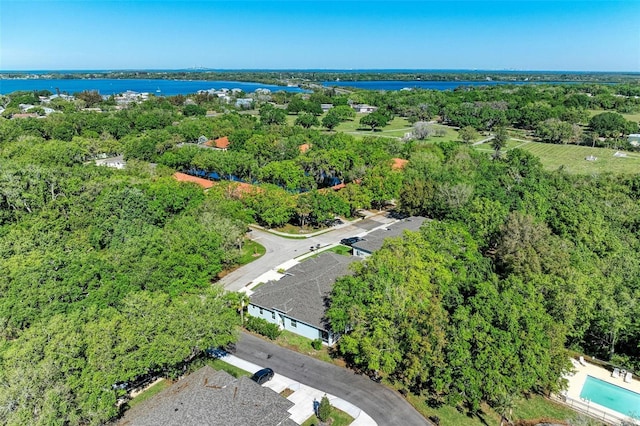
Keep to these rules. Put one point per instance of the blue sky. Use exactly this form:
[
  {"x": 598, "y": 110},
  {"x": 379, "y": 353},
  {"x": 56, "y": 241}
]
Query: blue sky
[{"x": 358, "y": 34}]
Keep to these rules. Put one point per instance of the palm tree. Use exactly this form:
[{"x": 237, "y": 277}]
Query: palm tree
[{"x": 504, "y": 405}]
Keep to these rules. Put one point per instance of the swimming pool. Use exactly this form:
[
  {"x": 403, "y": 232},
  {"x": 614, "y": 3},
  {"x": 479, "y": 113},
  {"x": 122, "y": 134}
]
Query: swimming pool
[{"x": 611, "y": 396}]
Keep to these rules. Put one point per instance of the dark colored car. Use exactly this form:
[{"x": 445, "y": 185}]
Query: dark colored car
[
  {"x": 350, "y": 241},
  {"x": 262, "y": 376}
]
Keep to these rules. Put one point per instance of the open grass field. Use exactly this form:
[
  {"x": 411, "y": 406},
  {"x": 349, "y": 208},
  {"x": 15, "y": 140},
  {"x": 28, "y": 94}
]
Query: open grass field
[
  {"x": 572, "y": 157},
  {"x": 631, "y": 117},
  {"x": 396, "y": 128}
]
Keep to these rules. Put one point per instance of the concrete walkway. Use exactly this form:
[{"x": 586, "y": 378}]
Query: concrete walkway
[
  {"x": 303, "y": 396},
  {"x": 480, "y": 142}
]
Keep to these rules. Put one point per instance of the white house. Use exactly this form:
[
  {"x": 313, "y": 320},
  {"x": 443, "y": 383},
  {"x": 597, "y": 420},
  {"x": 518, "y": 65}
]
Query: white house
[
  {"x": 297, "y": 302},
  {"x": 634, "y": 139},
  {"x": 244, "y": 102},
  {"x": 113, "y": 162},
  {"x": 364, "y": 108}
]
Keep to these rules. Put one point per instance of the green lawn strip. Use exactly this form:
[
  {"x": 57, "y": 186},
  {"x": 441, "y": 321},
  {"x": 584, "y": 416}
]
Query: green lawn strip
[
  {"x": 342, "y": 250},
  {"x": 295, "y": 229},
  {"x": 533, "y": 408},
  {"x": 150, "y": 392},
  {"x": 339, "y": 249},
  {"x": 303, "y": 345},
  {"x": 218, "y": 364},
  {"x": 340, "y": 418},
  {"x": 284, "y": 234},
  {"x": 251, "y": 251}
]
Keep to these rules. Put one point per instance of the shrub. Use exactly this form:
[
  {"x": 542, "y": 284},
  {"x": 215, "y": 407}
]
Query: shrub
[
  {"x": 263, "y": 327},
  {"x": 324, "y": 409},
  {"x": 316, "y": 344}
]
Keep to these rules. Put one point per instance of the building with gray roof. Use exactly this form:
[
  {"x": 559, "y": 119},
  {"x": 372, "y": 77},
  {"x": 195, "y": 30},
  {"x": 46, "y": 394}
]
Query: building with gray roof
[
  {"x": 374, "y": 240},
  {"x": 209, "y": 397},
  {"x": 298, "y": 301}
]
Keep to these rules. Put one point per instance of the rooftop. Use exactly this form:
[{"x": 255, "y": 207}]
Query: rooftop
[
  {"x": 375, "y": 239},
  {"x": 183, "y": 177},
  {"x": 302, "y": 293},
  {"x": 210, "y": 397},
  {"x": 221, "y": 143}
]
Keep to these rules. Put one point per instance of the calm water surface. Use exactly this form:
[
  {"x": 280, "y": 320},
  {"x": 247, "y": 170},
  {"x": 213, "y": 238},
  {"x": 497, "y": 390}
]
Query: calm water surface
[
  {"x": 183, "y": 87},
  {"x": 114, "y": 86}
]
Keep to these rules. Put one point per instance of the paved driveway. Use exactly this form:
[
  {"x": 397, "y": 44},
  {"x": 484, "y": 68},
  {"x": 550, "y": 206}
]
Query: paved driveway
[
  {"x": 385, "y": 406},
  {"x": 281, "y": 249}
]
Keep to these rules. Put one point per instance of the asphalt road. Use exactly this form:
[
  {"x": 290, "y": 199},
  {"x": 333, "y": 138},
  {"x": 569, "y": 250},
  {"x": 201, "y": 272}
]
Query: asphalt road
[
  {"x": 386, "y": 407},
  {"x": 280, "y": 249}
]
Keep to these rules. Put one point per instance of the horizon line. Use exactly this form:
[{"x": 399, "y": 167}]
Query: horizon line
[{"x": 327, "y": 70}]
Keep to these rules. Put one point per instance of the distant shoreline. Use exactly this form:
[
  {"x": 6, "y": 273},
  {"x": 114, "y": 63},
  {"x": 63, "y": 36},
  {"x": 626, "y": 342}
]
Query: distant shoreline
[{"x": 300, "y": 77}]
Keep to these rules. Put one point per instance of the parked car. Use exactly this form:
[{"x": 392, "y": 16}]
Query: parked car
[
  {"x": 350, "y": 241},
  {"x": 262, "y": 376}
]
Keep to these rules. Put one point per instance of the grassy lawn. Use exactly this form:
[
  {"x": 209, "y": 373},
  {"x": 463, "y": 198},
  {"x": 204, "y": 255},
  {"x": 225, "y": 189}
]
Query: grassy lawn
[
  {"x": 396, "y": 128},
  {"x": 150, "y": 392},
  {"x": 451, "y": 134},
  {"x": 572, "y": 157},
  {"x": 533, "y": 408},
  {"x": 631, "y": 117},
  {"x": 250, "y": 252},
  {"x": 340, "y": 249},
  {"x": 218, "y": 364},
  {"x": 303, "y": 345},
  {"x": 340, "y": 418},
  {"x": 296, "y": 230}
]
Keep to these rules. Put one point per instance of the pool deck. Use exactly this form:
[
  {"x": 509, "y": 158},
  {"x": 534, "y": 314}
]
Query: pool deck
[{"x": 577, "y": 380}]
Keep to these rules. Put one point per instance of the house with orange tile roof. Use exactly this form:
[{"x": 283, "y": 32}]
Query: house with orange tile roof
[
  {"x": 183, "y": 177},
  {"x": 221, "y": 143}
]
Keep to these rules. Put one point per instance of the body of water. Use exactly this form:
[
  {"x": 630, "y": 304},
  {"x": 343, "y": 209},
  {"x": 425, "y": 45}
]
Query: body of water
[
  {"x": 115, "y": 86},
  {"x": 611, "y": 396},
  {"x": 184, "y": 87}
]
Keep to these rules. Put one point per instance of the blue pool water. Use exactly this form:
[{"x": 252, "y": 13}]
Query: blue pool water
[{"x": 611, "y": 396}]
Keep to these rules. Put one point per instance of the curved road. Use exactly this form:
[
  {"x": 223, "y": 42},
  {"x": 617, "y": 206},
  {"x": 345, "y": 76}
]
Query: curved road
[{"x": 386, "y": 407}]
